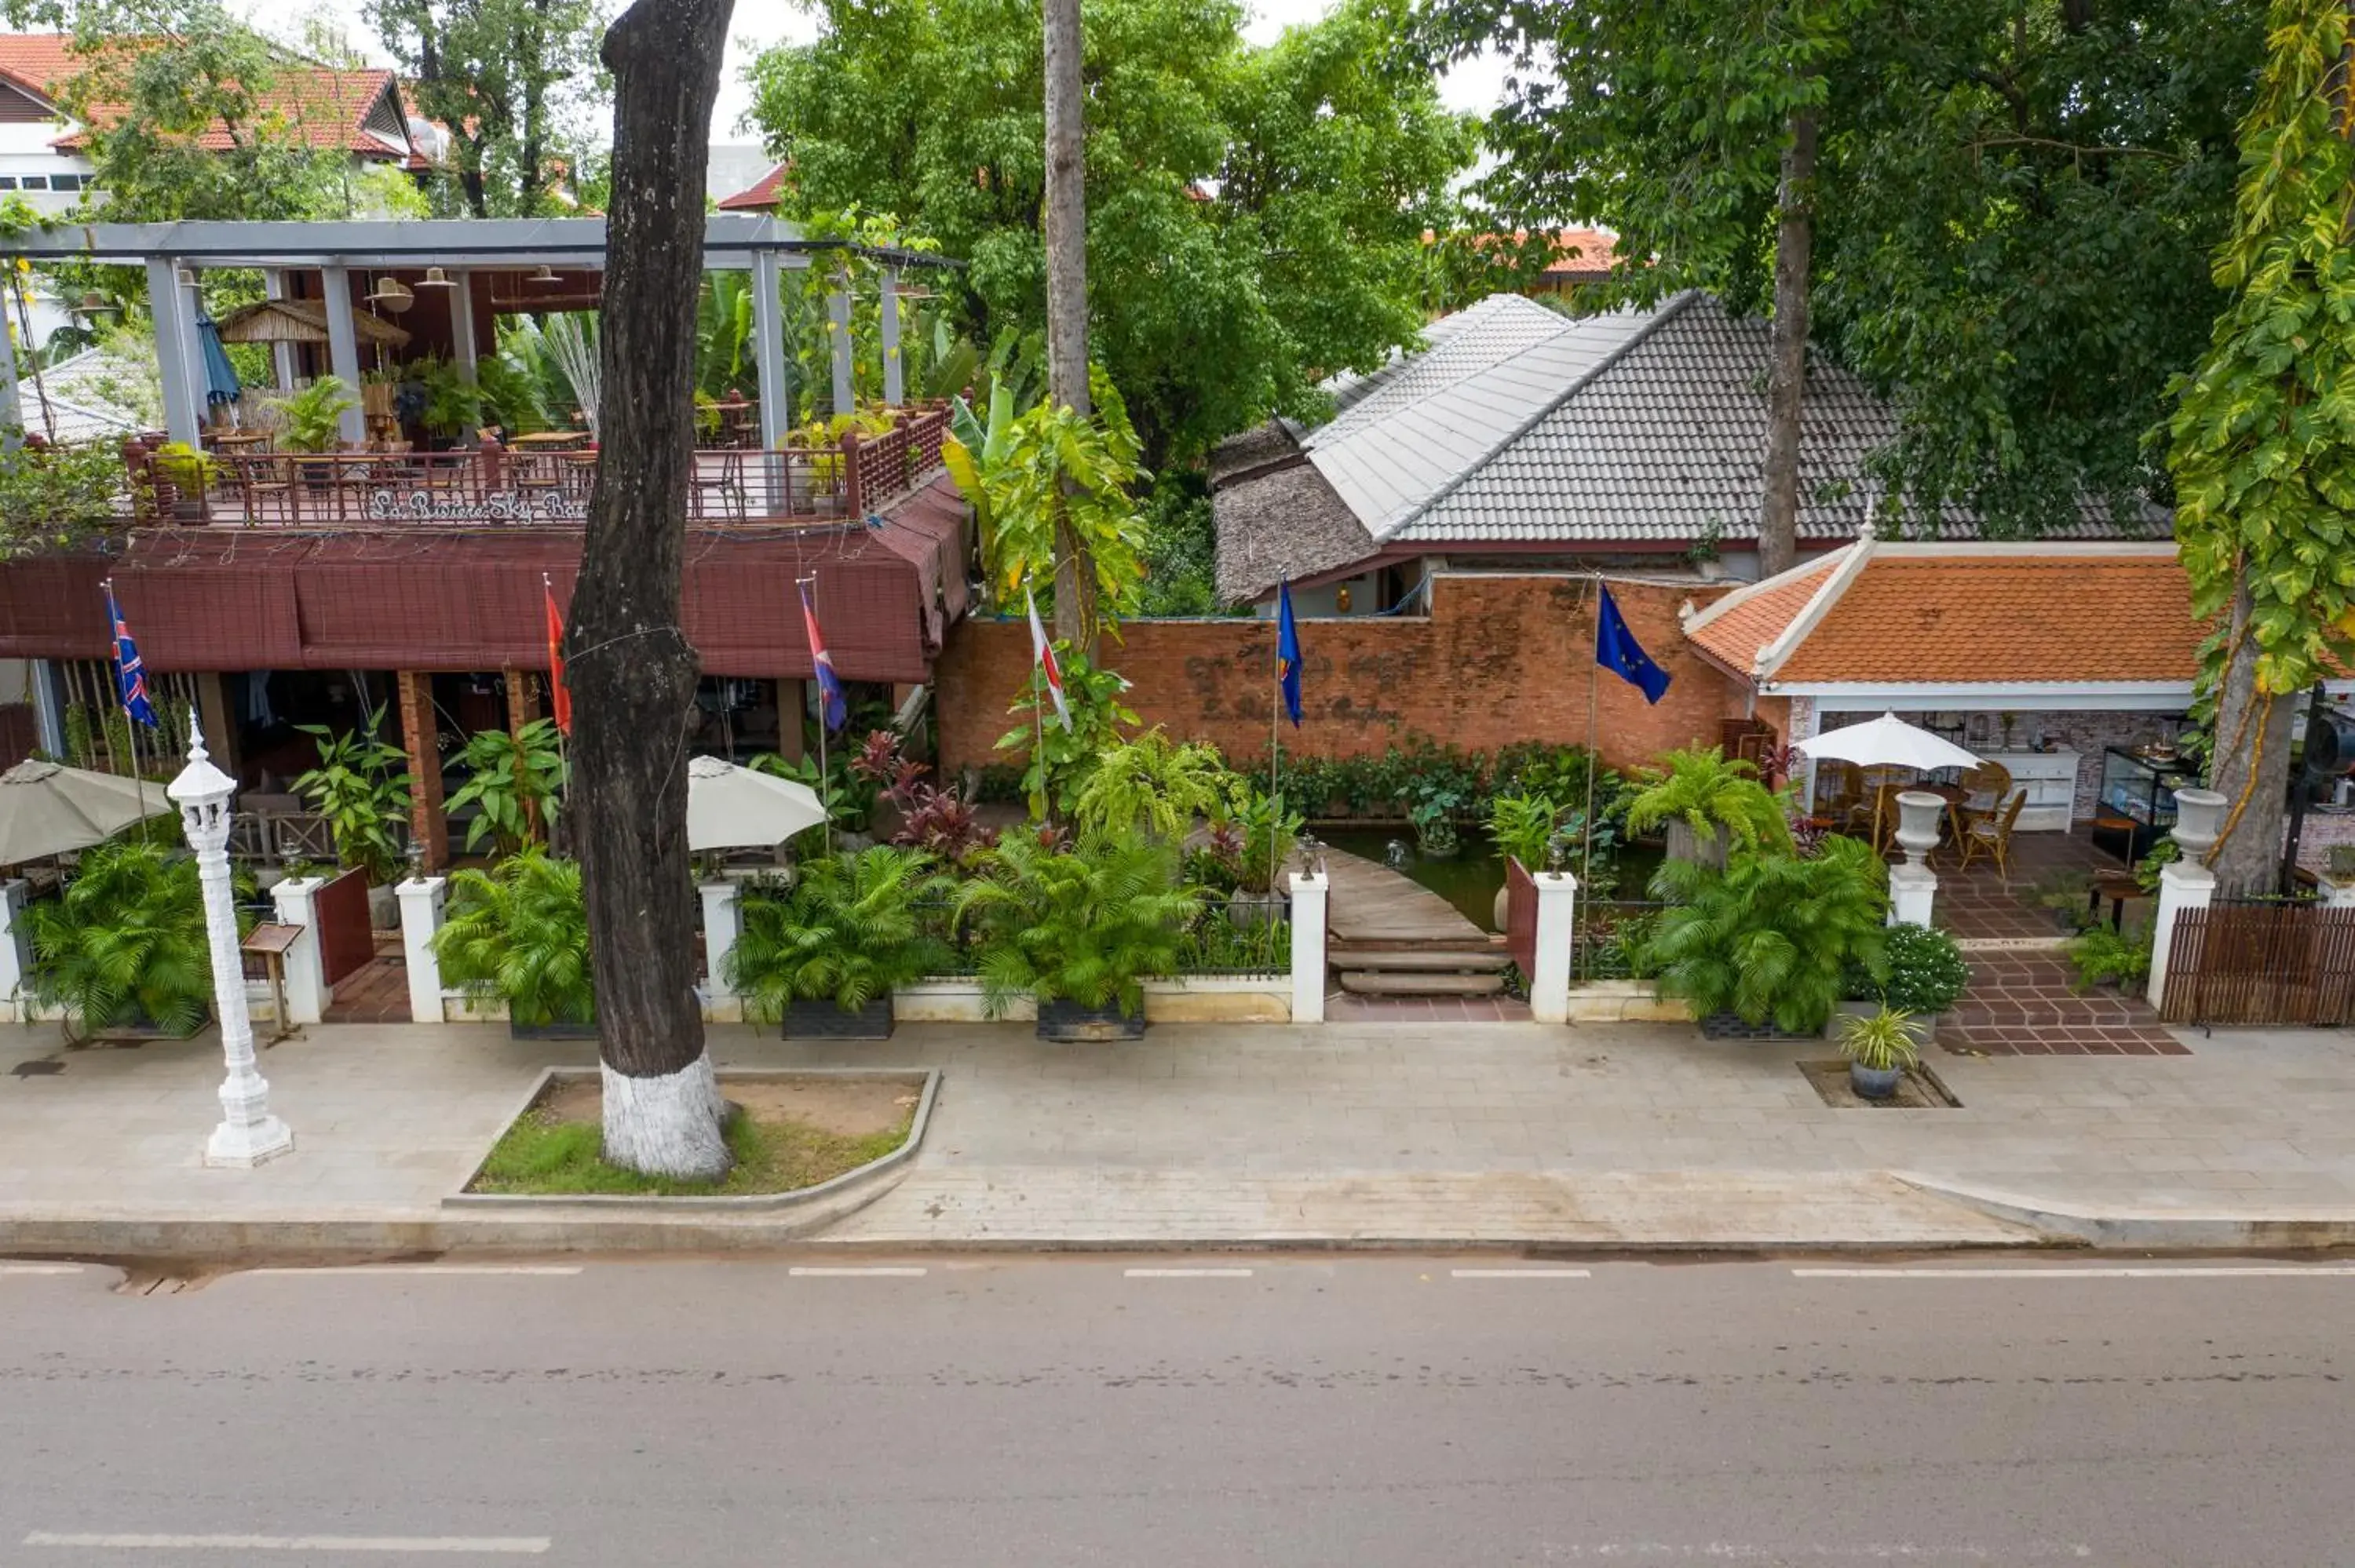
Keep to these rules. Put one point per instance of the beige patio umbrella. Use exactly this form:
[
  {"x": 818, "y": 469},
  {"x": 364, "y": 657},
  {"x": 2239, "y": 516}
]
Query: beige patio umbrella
[
  {"x": 47, "y": 809},
  {"x": 729, "y": 806}
]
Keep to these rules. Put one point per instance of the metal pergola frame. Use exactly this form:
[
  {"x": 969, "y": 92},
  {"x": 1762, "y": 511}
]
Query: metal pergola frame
[{"x": 173, "y": 253}]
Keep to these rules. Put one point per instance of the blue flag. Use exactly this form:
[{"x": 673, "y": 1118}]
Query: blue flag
[
  {"x": 130, "y": 674},
  {"x": 1288, "y": 653},
  {"x": 1616, "y": 650}
]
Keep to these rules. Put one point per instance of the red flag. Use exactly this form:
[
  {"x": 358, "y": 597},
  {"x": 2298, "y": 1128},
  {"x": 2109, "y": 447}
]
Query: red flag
[{"x": 559, "y": 697}]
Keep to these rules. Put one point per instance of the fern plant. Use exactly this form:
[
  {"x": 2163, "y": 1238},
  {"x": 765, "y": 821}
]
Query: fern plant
[
  {"x": 1772, "y": 937},
  {"x": 125, "y": 942},
  {"x": 520, "y": 932},
  {"x": 1720, "y": 801},
  {"x": 1087, "y": 924},
  {"x": 850, "y": 930},
  {"x": 1152, "y": 785},
  {"x": 515, "y": 786}
]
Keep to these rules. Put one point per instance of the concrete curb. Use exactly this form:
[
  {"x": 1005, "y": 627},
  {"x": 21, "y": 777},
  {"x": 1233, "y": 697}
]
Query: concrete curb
[
  {"x": 865, "y": 1181},
  {"x": 2154, "y": 1230}
]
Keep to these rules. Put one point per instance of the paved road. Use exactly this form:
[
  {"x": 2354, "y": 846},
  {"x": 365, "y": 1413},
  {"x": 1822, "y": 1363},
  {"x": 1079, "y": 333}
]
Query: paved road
[{"x": 1039, "y": 1412}]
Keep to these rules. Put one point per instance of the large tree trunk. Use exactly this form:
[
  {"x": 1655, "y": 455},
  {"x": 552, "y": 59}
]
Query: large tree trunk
[
  {"x": 1067, "y": 273},
  {"x": 628, "y": 662},
  {"x": 2249, "y": 766},
  {"x": 1778, "y": 516}
]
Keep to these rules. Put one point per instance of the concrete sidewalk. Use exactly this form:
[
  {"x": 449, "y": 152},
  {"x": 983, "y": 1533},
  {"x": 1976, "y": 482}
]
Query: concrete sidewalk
[{"x": 1507, "y": 1135}]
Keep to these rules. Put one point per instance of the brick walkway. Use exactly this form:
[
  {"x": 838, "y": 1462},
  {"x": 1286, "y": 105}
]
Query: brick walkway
[
  {"x": 1341, "y": 1007},
  {"x": 2020, "y": 1004},
  {"x": 377, "y": 992},
  {"x": 1976, "y": 905}
]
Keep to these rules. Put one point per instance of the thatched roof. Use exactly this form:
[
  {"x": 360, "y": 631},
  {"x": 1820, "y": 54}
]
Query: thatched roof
[
  {"x": 1277, "y": 517},
  {"x": 303, "y": 321}
]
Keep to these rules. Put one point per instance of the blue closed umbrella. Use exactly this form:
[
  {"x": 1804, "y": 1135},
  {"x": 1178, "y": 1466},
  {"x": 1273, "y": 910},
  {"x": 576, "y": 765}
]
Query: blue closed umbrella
[{"x": 220, "y": 375}]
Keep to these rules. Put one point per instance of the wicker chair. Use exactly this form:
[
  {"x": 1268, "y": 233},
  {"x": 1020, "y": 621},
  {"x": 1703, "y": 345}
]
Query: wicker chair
[
  {"x": 1984, "y": 790},
  {"x": 1992, "y": 835},
  {"x": 1840, "y": 796}
]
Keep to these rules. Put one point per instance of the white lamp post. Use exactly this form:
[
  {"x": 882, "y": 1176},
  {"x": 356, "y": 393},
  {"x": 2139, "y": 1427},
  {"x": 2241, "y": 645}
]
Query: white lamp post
[{"x": 248, "y": 1134}]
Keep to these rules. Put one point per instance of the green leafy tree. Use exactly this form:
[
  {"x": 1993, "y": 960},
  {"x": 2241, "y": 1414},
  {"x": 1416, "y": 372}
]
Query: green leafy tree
[
  {"x": 1719, "y": 800},
  {"x": 516, "y": 781},
  {"x": 2262, "y": 442},
  {"x": 125, "y": 942},
  {"x": 361, "y": 786},
  {"x": 517, "y": 84},
  {"x": 1056, "y": 760},
  {"x": 1153, "y": 785},
  {"x": 1250, "y": 214}
]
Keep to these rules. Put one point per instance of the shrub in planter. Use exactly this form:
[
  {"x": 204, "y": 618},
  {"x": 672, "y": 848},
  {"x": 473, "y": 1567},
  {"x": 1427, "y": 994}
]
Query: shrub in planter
[
  {"x": 833, "y": 949},
  {"x": 124, "y": 945},
  {"x": 1927, "y": 975},
  {"x": 1772, "y": 938},
  {"x": 520, "y": 932},
  {"x": 1080, "y": 928},
  {"x": 1718, "y": 806},
  {"x": 1879, "y": 1048}
]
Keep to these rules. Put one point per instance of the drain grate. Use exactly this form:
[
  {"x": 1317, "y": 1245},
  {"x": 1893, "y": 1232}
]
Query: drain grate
[
  {"x": 155, "y": 1282},
  {"x": 43, "y": 1067}
]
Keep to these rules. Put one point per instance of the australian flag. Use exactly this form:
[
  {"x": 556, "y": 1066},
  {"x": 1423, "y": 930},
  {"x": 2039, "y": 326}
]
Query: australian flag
[
  {"x": 1616, "y": 650},
  {"x": 130, "y": 674},
  {"x": 1287, "y": 654},
  {"x": 831, "y": 705}
]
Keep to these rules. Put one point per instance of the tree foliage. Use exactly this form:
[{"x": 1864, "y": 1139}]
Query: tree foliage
[
  {"x": 517, "y": 82},
  {"x": 1253, "y": 216}
]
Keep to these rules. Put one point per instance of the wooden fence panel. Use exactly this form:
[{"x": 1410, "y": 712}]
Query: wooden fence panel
[{"x": 2262, "y": 964}]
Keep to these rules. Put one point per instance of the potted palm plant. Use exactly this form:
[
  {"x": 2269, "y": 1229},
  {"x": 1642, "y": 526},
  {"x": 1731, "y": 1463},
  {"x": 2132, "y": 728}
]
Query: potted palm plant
[
  {"x": 1766, "y": 947},
  {"x": 1880, "y": 1049},
  {"x": 312, "y": 419},
  {"x": 520, "y": 932},
  {"x": 124, "y": 949},
  {"x": 827, "y": 956},
  {"x": 362, "y": 790},
  {"x": 1079, "y": 929},
  {"x": 1709, "y": 806}
]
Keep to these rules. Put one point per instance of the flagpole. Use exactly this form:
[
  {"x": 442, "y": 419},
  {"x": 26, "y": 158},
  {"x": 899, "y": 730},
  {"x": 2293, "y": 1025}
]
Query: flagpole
[
  {"x": 825, "y": 780},
  {"x": 1593, "y": 761}
]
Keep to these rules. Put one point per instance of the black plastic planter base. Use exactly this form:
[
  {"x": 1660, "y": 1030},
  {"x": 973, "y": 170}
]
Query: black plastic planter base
[
  {"x": 561, "y": 1029},
  {"x": 1732, "y": 1026},
  {"x": 1070, "y": 1021},
  {"x": 825, "y": 1020}
]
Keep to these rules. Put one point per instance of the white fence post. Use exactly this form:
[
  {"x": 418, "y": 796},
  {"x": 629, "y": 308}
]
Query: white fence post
[
  {"x": 421, "y": 920},
  {"x": 16, "y": 948},
  {"x": 722, "y": 920},
  {"x": 2182, "y": 885},
  {"x": 1308, "y": 892},
  {"x": 303, "y": 968},
  {"x": 1912, "y": 889},
  {"x": 1557, "y": 933}
]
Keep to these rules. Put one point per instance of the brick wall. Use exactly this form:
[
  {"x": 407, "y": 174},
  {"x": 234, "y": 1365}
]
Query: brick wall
[{"x": 1500, "y": 658}]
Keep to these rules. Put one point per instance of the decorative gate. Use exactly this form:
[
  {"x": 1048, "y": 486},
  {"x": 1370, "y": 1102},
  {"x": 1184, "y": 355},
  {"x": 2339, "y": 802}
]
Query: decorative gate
[
  {"x": 346, "y": 941},
  {"x": 2257, "y": 963}
]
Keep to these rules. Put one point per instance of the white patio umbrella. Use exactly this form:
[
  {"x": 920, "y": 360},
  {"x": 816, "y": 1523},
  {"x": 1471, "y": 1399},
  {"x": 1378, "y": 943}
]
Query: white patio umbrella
[
  {"x": 729, "y": 807},
  {"x": 1887, "y": 742},
  {"x": 48, "y": 809}
]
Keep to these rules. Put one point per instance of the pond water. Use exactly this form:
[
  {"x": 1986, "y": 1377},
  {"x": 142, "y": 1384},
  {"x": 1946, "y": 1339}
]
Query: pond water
[{"x": 1470, "y": 878}]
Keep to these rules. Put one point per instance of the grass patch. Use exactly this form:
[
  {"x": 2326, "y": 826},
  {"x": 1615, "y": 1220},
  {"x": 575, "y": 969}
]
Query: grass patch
[{"x": 547, "y": 1154}]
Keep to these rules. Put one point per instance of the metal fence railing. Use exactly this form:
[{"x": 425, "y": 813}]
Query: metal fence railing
[{"x": 1611, "y": 936}]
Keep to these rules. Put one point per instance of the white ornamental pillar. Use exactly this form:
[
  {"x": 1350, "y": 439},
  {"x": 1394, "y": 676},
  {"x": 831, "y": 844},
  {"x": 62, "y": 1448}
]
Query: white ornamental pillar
[
  {"x": 721, "y": 921},
  {"x": 248, "y": 1134},
  {"x": 1557, "y": 933},
  {"x": 304, "y": 972},
  {"x": 1913, "y": 885},
  {"x": 1309, "y": 894},
  {"x": 420, "y": 921},
  {"x": 2182, "y": 885}
]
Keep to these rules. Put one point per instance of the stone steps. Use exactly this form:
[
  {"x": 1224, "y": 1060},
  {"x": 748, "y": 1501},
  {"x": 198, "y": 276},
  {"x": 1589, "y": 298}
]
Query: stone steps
[
  {"x": 1419, "y": 960},
  {"x": 1403, "y": 983}
]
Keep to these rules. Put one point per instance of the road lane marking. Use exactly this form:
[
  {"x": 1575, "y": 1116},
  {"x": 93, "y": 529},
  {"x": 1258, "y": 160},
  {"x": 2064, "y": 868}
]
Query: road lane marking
[
  {"x": 475, "y": 1545},
  {"x": 1520, "y": 1273},
  {"x": 2234, "y": 1271},
  {"x": 891, "y": 1271},
  {"x": 532, "y": 1268},
  {"x": 41, "y": 1268},
  {"x": 1187, "y": 1273}
]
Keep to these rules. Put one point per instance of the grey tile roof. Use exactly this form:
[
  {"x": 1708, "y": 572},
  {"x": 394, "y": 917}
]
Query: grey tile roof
[{"x": 1476, "y": 338}]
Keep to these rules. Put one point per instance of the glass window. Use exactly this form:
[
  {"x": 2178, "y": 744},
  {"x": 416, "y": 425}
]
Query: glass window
[
  {"x": 65, "y": 182},
  {"x": 34, "y": 183},
  {"x": 7, "y": 182}
]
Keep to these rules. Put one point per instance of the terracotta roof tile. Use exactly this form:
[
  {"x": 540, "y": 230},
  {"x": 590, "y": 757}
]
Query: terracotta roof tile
[
  {"x": 2023, "y": 618},
  {"x": 763, "y": 194},
  {"x": 330, "y": 107},
  {"x": 1734, "y": 637}
]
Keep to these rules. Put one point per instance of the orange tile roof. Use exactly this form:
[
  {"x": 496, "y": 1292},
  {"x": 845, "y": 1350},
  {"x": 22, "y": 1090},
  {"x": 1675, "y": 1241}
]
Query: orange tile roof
[
  {"x": 2022, "y": 618},
  {"x": 1594, "y": 253},
  {"x": 763, "y": 194},
  {"x": 1734, "y": 637},
  {"x": 329, "y": 107}
]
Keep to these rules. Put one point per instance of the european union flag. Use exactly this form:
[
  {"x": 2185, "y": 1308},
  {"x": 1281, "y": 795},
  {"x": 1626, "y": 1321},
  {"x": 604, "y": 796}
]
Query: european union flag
[
  {"x": 1288, "y": 653},
  {"x": 1616, "y": 650},
  {"x": 130, "y": 674}
]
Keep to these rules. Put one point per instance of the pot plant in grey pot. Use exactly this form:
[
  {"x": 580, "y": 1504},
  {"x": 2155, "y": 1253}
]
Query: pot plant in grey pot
[
  {"x": 1079, "y": 929},
  {"x": 1879, "y": 1048},
  {"x": 520, "y": 932},
  {"x": 825, "y": 957}
]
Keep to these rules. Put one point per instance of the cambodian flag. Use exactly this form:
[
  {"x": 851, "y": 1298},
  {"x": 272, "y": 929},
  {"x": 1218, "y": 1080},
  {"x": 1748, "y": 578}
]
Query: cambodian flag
[
  {"x": 832, "y": 705},
  {"x": 130, "y": 674}
]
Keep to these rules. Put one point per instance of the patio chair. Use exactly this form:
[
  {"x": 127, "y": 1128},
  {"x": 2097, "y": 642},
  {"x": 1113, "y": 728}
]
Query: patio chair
[
  {"x": 266, "y": 487},
  {"x": 1992, "y": 835},
  {"x": 1984, "y": 788},
  {"x": 1840, "y": 796},
  {"x": 719, "y": 476}
]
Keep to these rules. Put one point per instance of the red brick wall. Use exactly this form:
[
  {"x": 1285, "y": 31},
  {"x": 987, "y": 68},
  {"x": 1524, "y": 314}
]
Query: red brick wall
[{"x": 1500, "y": 659}]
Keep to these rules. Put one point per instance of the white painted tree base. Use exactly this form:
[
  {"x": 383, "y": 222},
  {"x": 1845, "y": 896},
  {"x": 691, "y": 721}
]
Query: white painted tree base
[{"x": 667, "y": 1126}]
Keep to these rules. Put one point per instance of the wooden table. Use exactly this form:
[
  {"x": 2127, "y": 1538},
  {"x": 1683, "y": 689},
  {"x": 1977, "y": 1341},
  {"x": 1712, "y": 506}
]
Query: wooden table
[{"x": 550, "y": 441}]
